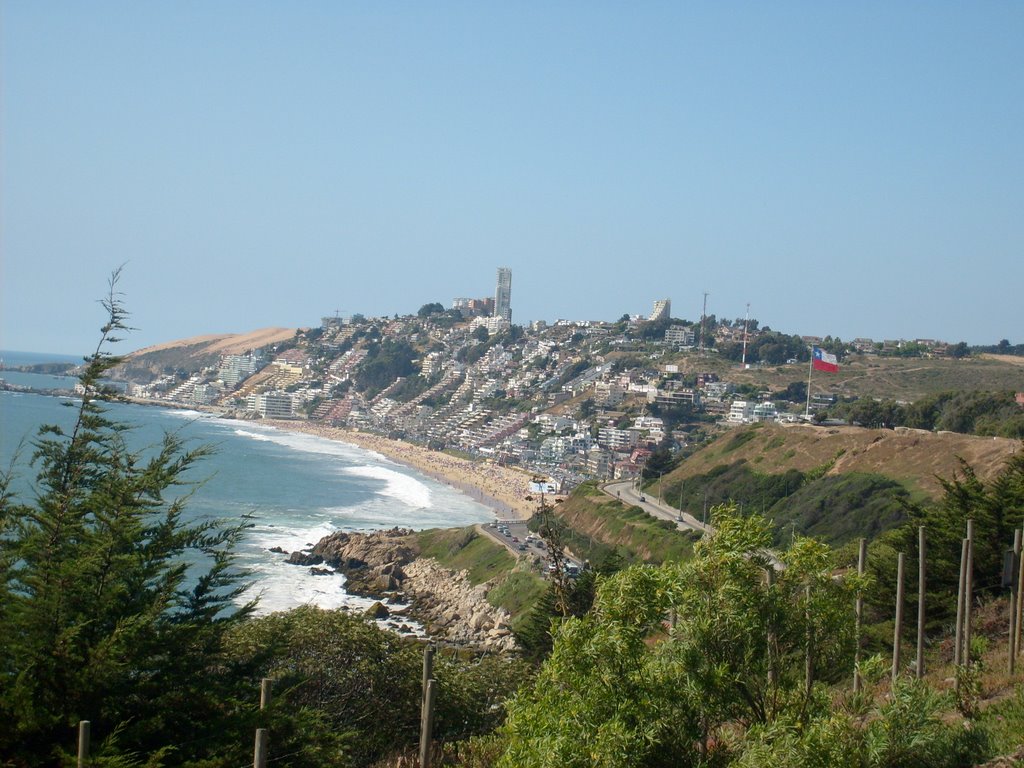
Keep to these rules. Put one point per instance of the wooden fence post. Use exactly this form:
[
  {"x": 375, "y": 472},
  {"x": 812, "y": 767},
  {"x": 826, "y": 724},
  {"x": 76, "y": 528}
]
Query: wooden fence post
[
  {"x": 427, "y": 724},
  {"x": 1020, "y": 605},
  {"x": 809, "y": 660},
  {"x": 770, "y": 578},
  {"x": 862, "y": 558},
  {"x": 921, "y": 573},
  {"x": 969, "y": 593},
  {"x": 958, "y": 644},
  {"x": 1014, "y": 563},
  {"x": 84, "y": 730},
  {"x": 259, "y": 756},
  {"x": 898, "y": 630},
  {"x": 265, "y": 685},
  {"x": 428, "y": 672}
]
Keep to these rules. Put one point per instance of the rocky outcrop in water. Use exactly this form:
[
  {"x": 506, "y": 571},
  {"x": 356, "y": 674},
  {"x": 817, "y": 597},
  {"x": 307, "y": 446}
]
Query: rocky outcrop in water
[
  {"x": 453, "y": 609},
  {"x": 372, "y": 562},
  {"x": 385, "y": 565}
]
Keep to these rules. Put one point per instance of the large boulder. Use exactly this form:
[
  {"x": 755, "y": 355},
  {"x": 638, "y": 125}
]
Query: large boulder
[
  {"x": 375, "y": 550},
  {"x": 304, "y": 558}
]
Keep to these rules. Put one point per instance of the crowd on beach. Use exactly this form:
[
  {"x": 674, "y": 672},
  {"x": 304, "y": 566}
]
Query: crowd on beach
[{"x": 504, "y": 489}]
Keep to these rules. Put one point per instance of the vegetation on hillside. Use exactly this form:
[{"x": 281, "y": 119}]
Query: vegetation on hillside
[
  {"x": 597, "y": 527},
  {"x": 116, "y": 611},
  {"x": 739, "y": 674},
  {"x": 996, "y": 507},
  {"x": 770, "y": 347},
  {"x": 383, "y": 364},
  {"x": 989, "y": 414},
  {"x": 840, "y": 508},
  {"x": 835, "y": 509},
  {"x": 102, "y": 619}
]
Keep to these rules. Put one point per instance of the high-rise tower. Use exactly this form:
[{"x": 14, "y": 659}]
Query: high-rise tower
[
  {"x": 503, "y": 294},
  {"x": 662, "y": 310}
]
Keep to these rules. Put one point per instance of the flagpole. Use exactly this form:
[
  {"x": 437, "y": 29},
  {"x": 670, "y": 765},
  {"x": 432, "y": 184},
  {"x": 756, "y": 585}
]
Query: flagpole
[{"x": 810, "y": 367}]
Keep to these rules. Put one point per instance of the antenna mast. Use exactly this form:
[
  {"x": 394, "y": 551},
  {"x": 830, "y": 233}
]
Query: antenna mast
[
  {"x": 746, "y": 323},
  {"x": 703, "y": 321}
]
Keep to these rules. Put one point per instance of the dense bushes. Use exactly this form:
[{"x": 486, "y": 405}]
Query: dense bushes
[
  {"x": 835, "y": 509},
  {"x": 841, "y": 508},
  {"x": 383, "y": 364},
  {"x": 991, "y": 414}
]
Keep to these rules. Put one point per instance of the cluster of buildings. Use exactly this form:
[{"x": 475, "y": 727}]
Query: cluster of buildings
[{"x": 556, "y": 399}]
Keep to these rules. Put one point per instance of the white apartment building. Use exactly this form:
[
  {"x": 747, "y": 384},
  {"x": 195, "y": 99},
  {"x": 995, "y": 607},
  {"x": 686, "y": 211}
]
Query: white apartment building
[
  {"x": 608, "y": 393},
  {"x": 272, "y": 405},
  {"x": 680, "y": 336},
  {"x": 492, "y": 324},
  {"x": 599, "y": 463},
  {"x": 616, "y": 439},
  {"x": 741, "y": 412},
  {"x": 662, "y": 310},
  {"x": 551, "y": 423},
  {"x": 237, "y": 368},
  {"x": 670, "y": 397}
]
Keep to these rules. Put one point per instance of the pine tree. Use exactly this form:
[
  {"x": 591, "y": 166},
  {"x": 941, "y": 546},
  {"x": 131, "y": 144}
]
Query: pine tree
[{"x": 102, "y": 618}]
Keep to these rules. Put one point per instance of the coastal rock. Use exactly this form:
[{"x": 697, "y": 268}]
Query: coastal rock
[
  {"x": 378, "y": 611},
  {"x": 377, "y": 549},
  {"x": 303, "y": 558},
  {"x": 382, "y": 563},
  {"x": 457, "y": 610},
  {"x": 321, "y": 571},
  {"x": 278, "y": 550}
]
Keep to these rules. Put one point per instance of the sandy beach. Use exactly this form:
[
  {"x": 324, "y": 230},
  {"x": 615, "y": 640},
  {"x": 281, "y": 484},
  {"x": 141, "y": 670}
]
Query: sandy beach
[{"x": 504, "y": 489}]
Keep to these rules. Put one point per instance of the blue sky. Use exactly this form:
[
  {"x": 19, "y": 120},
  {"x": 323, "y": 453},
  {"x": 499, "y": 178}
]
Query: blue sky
[{"x": 853, "y": 169}]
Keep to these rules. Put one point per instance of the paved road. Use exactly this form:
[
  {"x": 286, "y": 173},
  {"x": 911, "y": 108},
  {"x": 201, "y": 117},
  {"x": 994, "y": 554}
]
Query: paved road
[
  {"x": 535, "y": 549},
  {"x": 625, "y": 491},
  {"x": 684, "y": 521},
  {"x": 518, "y": 531}
]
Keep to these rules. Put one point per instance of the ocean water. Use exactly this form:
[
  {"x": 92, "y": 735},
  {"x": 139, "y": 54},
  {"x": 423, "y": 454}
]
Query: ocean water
[
  {"x": 35, "y": 380},
  {"x": 293, "y": 488}
]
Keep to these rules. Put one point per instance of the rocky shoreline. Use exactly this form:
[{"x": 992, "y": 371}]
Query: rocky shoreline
[{"x": 385, "y": 566}]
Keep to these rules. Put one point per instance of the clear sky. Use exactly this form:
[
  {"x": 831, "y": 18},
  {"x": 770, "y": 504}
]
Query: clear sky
[{"x": 854, "y": 169}]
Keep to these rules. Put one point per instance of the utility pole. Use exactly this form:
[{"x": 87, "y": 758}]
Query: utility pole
[{"x": 746, "y": 324}]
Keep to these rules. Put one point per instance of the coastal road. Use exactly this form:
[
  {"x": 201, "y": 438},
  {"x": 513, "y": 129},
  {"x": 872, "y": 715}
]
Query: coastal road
[
  {"x": 625, "y": 491},
  {"x": 536, "y": 548},
  {"x": 516, "y": 529}
]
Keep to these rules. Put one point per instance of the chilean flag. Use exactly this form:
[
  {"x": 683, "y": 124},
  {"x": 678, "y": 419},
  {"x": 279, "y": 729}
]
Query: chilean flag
[{"x": 823, "y": 361}]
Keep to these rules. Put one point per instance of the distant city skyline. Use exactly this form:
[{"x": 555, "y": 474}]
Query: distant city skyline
[{"x": 847, "y": 170}]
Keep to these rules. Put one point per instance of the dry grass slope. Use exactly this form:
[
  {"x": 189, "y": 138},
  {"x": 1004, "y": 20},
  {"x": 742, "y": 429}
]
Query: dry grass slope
[
  {"x": 912, "y": 457},
  {"x": 878, "y": 377},
  {"x": 224, "y": 343}
]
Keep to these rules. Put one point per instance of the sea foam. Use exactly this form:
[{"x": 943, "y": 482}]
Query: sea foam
[{"x": 403, "y": 488}]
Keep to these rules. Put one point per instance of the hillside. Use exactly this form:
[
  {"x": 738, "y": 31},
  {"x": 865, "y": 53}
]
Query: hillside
[
  {"x": 834, "y": 483},
  {"x": 904, "y": 379},
  {"x": 912, "y": 457},
  {"x": 223, "y": 343},
  {"x": 597, "y": 527},
  {"x": 197, "y": 352}
]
